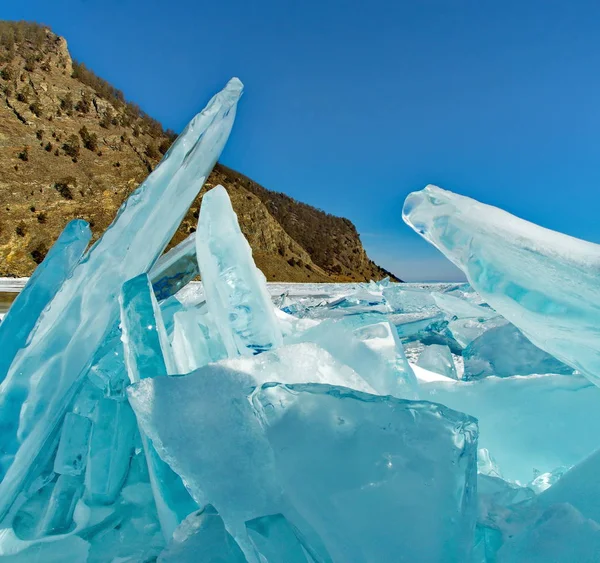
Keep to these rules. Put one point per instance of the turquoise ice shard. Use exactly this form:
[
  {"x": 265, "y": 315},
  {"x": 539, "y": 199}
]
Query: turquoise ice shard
[
  {"x": 45, "y": 375},
  {"x": 438, "y": 359},
  {"x": 71, "y": 455},
  {"x": 278, "y": 541},
  {"x": 372, "y": 363},
  {"x": 544, "y": 282},
  {"x": 147, "y": 348},
  {"x": 236, "y": 290},
  {"x": 372, "y": 476},
  {"x": 111, "y": 447},
  {"x": 504, "y": 351},
  {"x": 202, "y": 536},
  {"x": 40, "y": 289},
  {"x": 174, "y": 269},
  {"x": 190, "y": 343},
  {"x": 148, "y": 354},
  {"x": 455, "y": 307},
  {"x": 560, "y": 535}
]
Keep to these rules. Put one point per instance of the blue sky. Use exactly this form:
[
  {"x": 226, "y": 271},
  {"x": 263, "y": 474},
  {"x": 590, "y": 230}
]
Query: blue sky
[{"x": 349, "y": 106}]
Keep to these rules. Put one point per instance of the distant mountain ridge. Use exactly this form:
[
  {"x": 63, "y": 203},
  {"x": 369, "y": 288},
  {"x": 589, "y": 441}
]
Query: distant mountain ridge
[{"x": 72, "y": 146}]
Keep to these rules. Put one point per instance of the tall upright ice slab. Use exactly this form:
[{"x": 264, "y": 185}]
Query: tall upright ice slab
[
  {"x": 236, "y": 290},
  {"x": 45, "y": 375},
  {"x": 40, "y": 289},
  {"x": 544, "y": 282}
]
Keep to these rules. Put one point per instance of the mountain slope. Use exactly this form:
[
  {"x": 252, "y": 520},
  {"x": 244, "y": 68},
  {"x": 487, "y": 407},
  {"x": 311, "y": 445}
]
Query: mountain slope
[{"x": 71, "y": 146}]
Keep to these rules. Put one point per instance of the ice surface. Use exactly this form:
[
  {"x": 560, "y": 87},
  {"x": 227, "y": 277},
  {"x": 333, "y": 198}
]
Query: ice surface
[
  {"x": 438, "y": 358},
  {"x": 542, "y": 281},
  {"x": 44, "y": 377},
  {"x": 43, "y": 284},
  {"x": 236, "y": 292},
  {"x": 358, "y": 463},
  {"x": 504, "y": 351}
]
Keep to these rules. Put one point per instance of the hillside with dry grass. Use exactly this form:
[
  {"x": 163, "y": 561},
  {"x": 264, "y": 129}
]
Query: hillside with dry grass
[{"x": 72, "y": 146}]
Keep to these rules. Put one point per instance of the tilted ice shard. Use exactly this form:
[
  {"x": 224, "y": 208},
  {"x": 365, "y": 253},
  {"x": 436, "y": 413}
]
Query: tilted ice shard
[
  {"x": 438, "y": 359},
  {"x": 40, "y": 289},
  {"x": 236, "y": 290},
  {"x": 371, "y": 364},
  {"x": 73, "y": 446},
  {"x": 190, "y": 343},
  {"x": 45, "y": 375},
  {"x": 147, "y": 348},
  {"x": 278, "y": 541},
  {"x": 111, "y": 446},
  {"x": 202, "y": 536},
  {"x": 370, "y": 476},
  {"x": 504, "y": 351},
  {"x": 148, "y": 354},
  {"x": 455, "y": 307},
  {"x": 174, "y": 269},
  {"x": 561, "y": 535},
  {"x": 544, "y": 282}
]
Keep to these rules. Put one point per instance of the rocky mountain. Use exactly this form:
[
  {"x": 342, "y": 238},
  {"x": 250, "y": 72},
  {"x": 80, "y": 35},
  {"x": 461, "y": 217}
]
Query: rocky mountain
[{"x": 72, "y": 146}]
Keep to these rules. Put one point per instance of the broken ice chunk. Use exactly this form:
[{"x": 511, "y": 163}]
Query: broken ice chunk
[
  {"x": 504, "y": 351},
  {"x": 40, "y": 289},
  {"x": 237, "y": 474},
  {"x": 387, "y": 378},
  {"x": 73, "y": 446},
  {"x": 375, "y": 476},
  {"x": 358, "y": 463},
  {"x": 454, "y": 307},
  {"x": 560, "y": 535},
  {"x": 438, "y": 359},
  {"x": 43, "y": 378},
  {"x": 236, "y": 291},
  {"x": 409, "y": 300},
  {"x": 278, "y": 541},
  {"x": 304, "y": 362},
  {"x": 202, "y": 536},
  {"x": 544, "y": 282},
  {"x": 464, "y": 331},
  {"x": 579, "y": 486}
]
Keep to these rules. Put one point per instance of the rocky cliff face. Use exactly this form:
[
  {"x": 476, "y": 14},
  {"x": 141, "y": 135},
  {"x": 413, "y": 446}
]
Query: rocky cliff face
[{"x": 71, "y": 146}]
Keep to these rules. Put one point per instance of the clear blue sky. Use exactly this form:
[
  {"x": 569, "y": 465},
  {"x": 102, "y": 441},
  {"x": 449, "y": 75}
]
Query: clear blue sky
[{"x": 350, "y": 106}]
